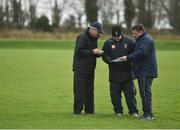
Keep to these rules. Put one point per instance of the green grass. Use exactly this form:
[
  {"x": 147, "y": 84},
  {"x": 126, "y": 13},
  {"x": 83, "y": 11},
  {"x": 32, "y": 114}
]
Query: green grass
[
  {"x": 36, "y": 89},
  {"x": 69, "y": 44}
]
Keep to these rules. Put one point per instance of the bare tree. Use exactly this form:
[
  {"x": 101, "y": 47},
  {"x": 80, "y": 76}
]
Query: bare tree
[
  {"x": 57, "y": 10},
  {"x": 78, "y": 7},
  {"x": 147, "y": 12},
  {"x": 109, "y": 11},
  {"x": 75, "y": 14},
  {"x": 19, "y": 15},
  {"x": 32, "y": 12},
  {"x": 91, "y": 10},
  {"x": 129, "y": 12},
  {"x": 106, "y": 11},
  {"x": 173, "y": 11},
  {"x": 1, "y": 16},
  {"x": 117, "y": 10},
  {"x": 7, "y": 13}
]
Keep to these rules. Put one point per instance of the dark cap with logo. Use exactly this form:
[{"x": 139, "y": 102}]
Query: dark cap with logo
[
  {"x": 98, "y": 26},
  {"x": 116, "y": 31}
]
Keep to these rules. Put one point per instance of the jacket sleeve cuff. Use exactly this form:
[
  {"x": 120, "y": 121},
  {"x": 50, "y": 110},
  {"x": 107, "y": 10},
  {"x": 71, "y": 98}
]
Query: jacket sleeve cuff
[
  {"x": 91, "y": 52},
  {"x": 129, "y": 58}
]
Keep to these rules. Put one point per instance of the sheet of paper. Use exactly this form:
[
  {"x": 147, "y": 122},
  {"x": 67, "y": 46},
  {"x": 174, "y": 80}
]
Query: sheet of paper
[{"x": 117, "y": 60}]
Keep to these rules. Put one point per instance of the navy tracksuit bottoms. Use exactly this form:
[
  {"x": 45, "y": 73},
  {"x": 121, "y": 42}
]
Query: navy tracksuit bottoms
[
  {"x": 146, "y": 94},
  {"x": 116, "y": 88}
]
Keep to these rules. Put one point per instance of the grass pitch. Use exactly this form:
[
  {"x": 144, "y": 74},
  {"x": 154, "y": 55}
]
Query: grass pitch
[{"x": 36, "y": 89}]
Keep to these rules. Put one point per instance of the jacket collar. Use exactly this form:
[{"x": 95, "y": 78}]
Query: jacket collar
[
  {"x": 141, "y": 36},
  {"x": 119, "y": 40}
]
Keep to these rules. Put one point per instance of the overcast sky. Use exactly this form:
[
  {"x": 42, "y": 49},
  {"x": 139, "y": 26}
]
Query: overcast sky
[{"x": 44, "y": 8}]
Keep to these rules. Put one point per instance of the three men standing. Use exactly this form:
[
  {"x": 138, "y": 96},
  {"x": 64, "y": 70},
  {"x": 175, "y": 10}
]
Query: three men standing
[{"x": 120, "y": 52}]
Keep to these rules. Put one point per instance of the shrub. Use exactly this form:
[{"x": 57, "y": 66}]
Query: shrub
[{"x": 42, "y": 24}]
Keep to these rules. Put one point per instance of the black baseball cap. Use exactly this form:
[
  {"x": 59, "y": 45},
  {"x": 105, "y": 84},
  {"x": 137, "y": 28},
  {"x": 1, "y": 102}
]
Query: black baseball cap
[
  {"x": 98, "y": 26},
  {"x": 116, "y": 31}
]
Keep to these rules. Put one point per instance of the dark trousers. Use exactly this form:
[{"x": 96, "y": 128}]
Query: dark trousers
[
  {"x": 83, "y": 91},
  {"x": 129, "y": 92},
  {"x": 146, "y": 94}
]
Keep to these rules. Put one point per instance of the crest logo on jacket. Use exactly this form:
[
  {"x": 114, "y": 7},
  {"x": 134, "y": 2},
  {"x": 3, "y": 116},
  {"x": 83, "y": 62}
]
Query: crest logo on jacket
[
  {"x": 113, "y": 46},
  {"x": 125, "y": 45}
]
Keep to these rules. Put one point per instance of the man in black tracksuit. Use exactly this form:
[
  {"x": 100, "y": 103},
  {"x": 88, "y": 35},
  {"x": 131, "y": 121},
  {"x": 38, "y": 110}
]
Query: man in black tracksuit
[
  {"x": 84, "y": 64},
  {"x": 120, "y": 73}
]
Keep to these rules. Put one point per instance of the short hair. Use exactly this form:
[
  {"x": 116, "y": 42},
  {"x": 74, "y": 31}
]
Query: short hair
[{"x": 138, "y": 27}]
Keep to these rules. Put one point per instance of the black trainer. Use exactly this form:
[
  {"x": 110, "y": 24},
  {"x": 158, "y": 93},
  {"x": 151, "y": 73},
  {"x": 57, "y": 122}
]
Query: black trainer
[
  {"x": 89, "y": 113},
  {"x": 77, "y": 113},
  {"x": 145, "y": 117},
  {"x": 134, "y": 115},
  {"x": 152, "y": 116},
  {"x": 119, "y": 114}
]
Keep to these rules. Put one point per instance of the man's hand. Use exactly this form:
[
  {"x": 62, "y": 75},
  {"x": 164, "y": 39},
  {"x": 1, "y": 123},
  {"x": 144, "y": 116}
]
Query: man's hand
[
  {"x": 97, "y": 51},
  {"x": 100, "y": 52},
  {"x": 123, "y": 58}
]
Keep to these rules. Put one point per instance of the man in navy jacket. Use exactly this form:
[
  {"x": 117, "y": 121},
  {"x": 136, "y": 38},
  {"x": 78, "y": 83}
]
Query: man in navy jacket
[{"x": 145, "y": 67}]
